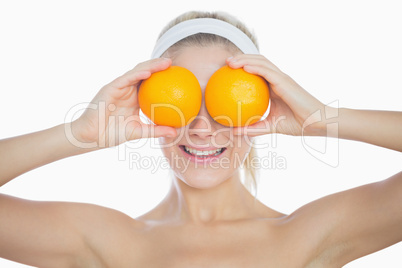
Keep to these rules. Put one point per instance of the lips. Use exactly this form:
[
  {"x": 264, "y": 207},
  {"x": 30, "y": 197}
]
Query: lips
[
  {"x": 202, "y": 155},
  {"x": 203, "y": 152}
]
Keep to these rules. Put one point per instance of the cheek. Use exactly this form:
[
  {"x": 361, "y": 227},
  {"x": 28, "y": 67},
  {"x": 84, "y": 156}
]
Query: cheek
[
  {"x": 169, "y": 143},
  {"x": 240, "y": 150},
  {"x": 242, "y": 144}
]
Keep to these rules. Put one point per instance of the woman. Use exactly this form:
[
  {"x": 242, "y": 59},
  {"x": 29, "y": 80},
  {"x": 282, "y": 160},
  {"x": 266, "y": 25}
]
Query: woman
[{"x": 208, "y": 219}]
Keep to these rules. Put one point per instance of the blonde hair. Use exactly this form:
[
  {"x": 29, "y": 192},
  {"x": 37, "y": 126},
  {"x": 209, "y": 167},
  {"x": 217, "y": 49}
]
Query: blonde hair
[
  {"x": 204, "y": 39},
  {"x": 250, "y": 172}
]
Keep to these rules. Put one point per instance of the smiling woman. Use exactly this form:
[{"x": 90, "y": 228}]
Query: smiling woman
[
  {"x": 208, "y": 218},
  {"x": 205, "y": 38}
]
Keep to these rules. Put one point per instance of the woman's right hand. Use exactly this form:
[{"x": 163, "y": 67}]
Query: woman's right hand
[{"x": 113, "y": 117}]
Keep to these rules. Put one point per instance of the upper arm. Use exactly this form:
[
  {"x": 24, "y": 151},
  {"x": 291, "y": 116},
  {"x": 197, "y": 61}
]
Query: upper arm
[
  {"x": 42, "y": 234},
  {"x": 370, "y": 218},
  {"x": 356, "y": 222}
]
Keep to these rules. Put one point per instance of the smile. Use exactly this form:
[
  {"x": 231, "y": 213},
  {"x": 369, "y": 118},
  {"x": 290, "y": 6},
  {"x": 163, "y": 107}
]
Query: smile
[{"x": 202, "y": 155}]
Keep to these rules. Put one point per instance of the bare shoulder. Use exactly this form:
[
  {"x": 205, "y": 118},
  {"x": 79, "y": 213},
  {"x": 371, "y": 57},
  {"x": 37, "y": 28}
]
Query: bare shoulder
[
  {"x": 345, "y": 226},
  {"x": 60, "y": 234},
  {"x": 108, "y": 233}
]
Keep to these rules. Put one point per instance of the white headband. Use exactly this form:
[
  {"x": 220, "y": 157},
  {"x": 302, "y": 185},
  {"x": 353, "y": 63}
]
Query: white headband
[{"x": 204, "y": 25}]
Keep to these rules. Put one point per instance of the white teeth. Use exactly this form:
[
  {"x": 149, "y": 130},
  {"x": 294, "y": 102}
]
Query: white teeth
[{"x": 196, "y": 152}]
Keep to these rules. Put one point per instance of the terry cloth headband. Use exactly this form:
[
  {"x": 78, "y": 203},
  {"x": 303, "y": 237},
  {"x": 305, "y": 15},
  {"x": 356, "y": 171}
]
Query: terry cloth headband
[{"x": 204, "y": 25}]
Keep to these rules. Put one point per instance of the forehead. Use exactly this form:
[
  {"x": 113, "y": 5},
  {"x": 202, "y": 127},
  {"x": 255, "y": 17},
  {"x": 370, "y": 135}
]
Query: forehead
[{"x": 202, "y": 61}]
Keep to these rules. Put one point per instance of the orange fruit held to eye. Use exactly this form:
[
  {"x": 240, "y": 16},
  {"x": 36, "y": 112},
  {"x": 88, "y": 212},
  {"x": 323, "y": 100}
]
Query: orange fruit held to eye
[
  {"x": 235, "y": 98},
  {"x": 171, "y": 97}
]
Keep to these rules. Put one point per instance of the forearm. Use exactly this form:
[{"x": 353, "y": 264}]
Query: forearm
[
  {"x": 23, "y": 153},
  {"x": 382, "y": 128}
]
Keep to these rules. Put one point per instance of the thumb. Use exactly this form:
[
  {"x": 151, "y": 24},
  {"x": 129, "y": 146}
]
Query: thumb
[
  {"x": 155, "y": 131},
  {"x": 256, "y": 129}
]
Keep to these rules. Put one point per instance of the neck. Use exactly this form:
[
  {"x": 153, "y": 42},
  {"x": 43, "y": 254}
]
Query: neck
[{"x": 228, "y": 201}]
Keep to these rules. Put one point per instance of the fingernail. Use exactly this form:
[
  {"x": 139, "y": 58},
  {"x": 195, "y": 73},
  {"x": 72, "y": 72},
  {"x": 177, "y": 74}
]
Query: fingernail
[{"x": 231, "y": 59}]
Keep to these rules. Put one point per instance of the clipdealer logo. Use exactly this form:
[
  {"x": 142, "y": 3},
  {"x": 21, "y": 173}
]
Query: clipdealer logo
[{"x": 324, "y": 149}]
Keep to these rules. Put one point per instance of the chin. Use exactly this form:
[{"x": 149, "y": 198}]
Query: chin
[{"x": 200, "y": 180}]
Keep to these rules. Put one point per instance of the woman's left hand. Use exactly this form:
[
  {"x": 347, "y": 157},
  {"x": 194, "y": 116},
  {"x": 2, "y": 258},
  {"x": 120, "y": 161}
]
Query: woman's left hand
[{"x": 291, "y": 105}]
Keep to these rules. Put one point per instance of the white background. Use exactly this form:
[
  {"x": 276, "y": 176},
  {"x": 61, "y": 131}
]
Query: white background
[{"x": 55, "y": 54}]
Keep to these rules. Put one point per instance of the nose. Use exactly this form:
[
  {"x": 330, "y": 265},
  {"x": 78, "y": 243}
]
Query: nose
[{"x": 203, "y": 125}]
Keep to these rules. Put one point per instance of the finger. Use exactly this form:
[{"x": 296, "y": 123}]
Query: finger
[
  {"x": 247, "y": 59},
  {"x": 154, "y": 65},
  {"x": 256, "y": 129},
  {"x": 155, "y": 131},
  {"x": 140, "y": 72},
  {"x": 270, "y": 75},
  {"x": 129, "y": 79},
  {"x": 257, "y": 60},
  {"x": 259, "y": 66}
]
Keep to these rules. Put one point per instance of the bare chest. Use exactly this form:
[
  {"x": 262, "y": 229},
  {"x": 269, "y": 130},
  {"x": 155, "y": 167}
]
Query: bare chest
[{"x": 253, "y": 245}]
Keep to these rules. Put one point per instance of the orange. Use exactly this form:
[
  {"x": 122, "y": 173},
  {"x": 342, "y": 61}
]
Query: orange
[
  {"x": 235, "y": 98},
  {"x": 171, "y": 97}
]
